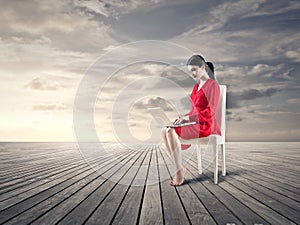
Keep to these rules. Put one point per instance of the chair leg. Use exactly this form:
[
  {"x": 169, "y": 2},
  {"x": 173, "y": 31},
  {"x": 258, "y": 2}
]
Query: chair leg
[
  {"x": 216, "y": 164},
  {"x": 223, "y": 160},
  {"x": 199, "y": 158}
]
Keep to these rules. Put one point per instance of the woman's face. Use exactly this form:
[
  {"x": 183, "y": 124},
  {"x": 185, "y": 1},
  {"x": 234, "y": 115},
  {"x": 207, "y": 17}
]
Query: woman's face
[{"x": 197, "y": 72}]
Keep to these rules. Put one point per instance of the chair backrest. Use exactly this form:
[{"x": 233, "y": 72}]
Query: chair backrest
[{"x": 221, "y": 111}]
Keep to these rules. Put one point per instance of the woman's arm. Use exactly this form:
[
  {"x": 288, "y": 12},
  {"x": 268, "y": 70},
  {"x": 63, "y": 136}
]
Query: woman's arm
[
  {"x": 212, "y": 95},
  {"x": 213, "y": 98}
]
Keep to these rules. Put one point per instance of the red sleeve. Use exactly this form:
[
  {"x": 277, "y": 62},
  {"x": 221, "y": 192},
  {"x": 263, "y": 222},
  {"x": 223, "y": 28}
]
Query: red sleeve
[{"x": 212, "y": 94}]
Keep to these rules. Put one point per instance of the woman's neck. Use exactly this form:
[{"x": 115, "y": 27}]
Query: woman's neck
[
  {"x": 203, "y": 80},
  {"x": 201, "y": 83}
]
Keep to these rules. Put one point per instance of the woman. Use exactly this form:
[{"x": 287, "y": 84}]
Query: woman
[{"x": 204, "y": 99}]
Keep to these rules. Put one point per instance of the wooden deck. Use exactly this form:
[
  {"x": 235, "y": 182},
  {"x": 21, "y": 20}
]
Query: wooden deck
[{"x": 51, "y": 183}]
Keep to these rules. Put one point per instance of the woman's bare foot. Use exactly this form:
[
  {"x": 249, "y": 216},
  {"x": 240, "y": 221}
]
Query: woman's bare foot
[{"x": 179, "y": 177}]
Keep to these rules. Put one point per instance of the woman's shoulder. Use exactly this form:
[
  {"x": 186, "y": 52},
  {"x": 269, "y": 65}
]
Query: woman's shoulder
[
  {"x": 212, "y": 82},
  {"x": 211, "y": 85}
]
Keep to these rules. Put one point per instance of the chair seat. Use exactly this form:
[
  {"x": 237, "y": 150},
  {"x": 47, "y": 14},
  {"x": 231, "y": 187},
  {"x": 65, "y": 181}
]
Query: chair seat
[{"x": 218, "y": 138}]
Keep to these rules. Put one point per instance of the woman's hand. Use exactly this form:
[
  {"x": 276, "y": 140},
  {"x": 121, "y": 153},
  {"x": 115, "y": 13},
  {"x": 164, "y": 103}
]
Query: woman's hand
[
  {"x": 180, "y": 120},
  {"x": 177, "y": 121}
]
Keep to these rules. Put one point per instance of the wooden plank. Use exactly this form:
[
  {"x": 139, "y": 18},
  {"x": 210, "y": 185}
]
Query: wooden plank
[
  {"x": 271, "y": 176},
  {"x": 33, "y": 182},
  {"x": 256, "y": 189},
  {"x": 173, "y": 210},
  {"x": 12, "y": 167},
  {"x": 266, "y": 182},
  {"x": 151, "y": 212},
  {"x": 238, "y": 208},
  {"x": 104, "y": 213},
  {"x": 30, "y": 173},
  {"x": 196, "y": 211},
  {"x": 46, "y": 192},
  {"x": 25, "y": 159},
  {"x": 31, "y": 201},
  {"x": 274, "y": 159},
  {"x": 61, "y": 208},
  {"x": 261, "y": 183},
  {"x": 37, "y": 176},
  {"x": 39, "y": 211},
  {"x": 129, "y": 209},
  {"x": 275, "y": 201},
  {"x": 218, "y": 211},
  {"x": 257, "y": 202},
  {"x": 80, "y": 213},
  {"x": 280, "y": 170},
  {"x": 44, "y": 185}
]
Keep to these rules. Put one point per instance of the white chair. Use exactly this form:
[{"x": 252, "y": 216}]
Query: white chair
[{"x": 217, "y": 140}]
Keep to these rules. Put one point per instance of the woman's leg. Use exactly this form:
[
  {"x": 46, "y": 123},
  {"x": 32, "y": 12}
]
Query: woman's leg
[
  {"x": 164, "y": 136},
  {"x": 175, "y": 147}
]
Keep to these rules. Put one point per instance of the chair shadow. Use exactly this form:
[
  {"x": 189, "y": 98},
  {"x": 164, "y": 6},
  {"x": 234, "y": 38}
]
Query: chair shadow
[{"x": 208, "y": 177}]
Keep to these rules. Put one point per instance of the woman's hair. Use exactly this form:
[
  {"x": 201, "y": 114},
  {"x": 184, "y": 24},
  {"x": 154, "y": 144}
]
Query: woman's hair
[{"x": 198, "y": 60}]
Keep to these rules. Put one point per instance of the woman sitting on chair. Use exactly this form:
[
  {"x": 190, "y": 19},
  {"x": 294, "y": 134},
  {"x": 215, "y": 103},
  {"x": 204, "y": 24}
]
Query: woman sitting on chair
[{"x": 204, "y": 99}]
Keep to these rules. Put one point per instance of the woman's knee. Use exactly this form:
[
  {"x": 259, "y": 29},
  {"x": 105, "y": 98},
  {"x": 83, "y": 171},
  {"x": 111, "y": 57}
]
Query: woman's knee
[
  {"x": 170, "y": 131},
  {"x": 165, "y": 131}
]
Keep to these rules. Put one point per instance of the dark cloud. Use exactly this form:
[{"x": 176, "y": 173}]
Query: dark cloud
[
  {"x": 232, "y": 100},
  {"x": 254, "y": 93},
  {"x": 235, "y": 98},
  {"x": 233, "y": 116},
  {"x": 153, "y": 21}
]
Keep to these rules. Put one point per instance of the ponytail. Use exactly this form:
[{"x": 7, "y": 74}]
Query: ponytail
[
  {"x": 211, "y": 67},
  {"x": 211, "y": 70}
]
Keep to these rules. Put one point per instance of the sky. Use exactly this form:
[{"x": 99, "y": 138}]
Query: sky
[{"x": 48, "y": 49}]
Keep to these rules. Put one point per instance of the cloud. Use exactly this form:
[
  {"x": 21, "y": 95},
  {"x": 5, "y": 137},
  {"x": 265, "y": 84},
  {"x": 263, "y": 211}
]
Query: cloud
[
  {"x": 294, "y": 101},
  {"x": 50, "y": 107},
  {"x": 113, "y": 8},
  {"x": 231, "y": 9},
  {"x": 19, "y": 17},
  {"x": 218, "y": 16},
  {"x": 154, "y": 102},
  {"x": 47, "y": 45},
  {"x": 275, "y": 8},
  {"x": 53, "y": 80},
  {"x": 235, "y": 117},
  {"x": 235, "y": 99},
  {"x": 293, "y": 54},
  {"x": 99, "y": 7},
  {"x": 254, "y": 94},
  {"x": 227, "y": 33},
  {"x": 147, "y": 76},
  {"x": 41, "y": 84},
  {"x": 56, "y": 24}
]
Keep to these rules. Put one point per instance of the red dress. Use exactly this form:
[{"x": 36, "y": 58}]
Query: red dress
[{"x": 204, "y": 106}]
